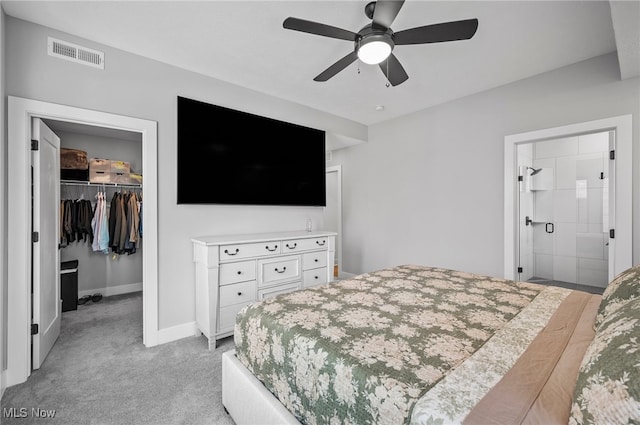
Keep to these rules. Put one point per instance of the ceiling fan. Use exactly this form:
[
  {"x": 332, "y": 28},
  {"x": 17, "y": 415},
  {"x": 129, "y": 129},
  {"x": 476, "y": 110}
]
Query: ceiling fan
[{"x": 374, "y": 43}]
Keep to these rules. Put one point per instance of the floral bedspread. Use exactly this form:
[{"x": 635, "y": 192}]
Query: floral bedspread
[{"x": 364, "y": 350}]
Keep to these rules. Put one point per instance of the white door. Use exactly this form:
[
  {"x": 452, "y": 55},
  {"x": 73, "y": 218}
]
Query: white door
[
  {"x": 333, "y": 211},
  {"x": 47, "y": 307}
]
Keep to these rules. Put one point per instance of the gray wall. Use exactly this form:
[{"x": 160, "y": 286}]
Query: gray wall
[
  {"x": 96, "y": 271},
  {"x": 428, "y": 188},
  {"x": 139, "y": 87}
]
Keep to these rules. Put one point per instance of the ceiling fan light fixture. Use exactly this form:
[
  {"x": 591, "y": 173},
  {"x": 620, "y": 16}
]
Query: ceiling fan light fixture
[
  {"x": 374, "y": 43},
  {"x": 373, "y": 50}
]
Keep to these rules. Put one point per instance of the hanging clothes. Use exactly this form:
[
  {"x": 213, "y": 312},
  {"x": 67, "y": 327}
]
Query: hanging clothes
[
  {"x": 99, "y": 224},
  {"x": 114, "y": 226},
  {"x": 84, "y": 216},
  {"x": 134, "y": 220},
  {"x": 140, "y": 217},
  {"x": 122, "y": 228},
  {"x": 104, "y": 228},
  {"x": 124, "y": 223},
  {"x": 133, "y": 223},
  {"x": 115, "y": 222},
  {"x": 75, "y": 221}
]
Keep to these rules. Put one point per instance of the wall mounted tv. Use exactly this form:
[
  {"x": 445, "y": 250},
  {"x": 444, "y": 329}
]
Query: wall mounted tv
[{"x": 232, "y": 157}]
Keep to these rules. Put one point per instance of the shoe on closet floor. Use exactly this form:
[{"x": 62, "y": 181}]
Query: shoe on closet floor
[
  {"x": 96, "y": 297},
  {"x": 84, "y": 299}
]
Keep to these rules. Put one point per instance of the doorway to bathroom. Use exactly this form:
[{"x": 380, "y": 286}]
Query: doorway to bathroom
[
  {"x": 564, "y": 204},
  {"x": 550, "y": 193}
]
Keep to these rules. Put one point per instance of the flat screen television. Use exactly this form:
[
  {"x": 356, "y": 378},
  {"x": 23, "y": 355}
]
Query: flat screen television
[{"x": 232, "y": 157}]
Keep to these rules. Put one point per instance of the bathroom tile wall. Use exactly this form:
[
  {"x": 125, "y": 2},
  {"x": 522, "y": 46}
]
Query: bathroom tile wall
[{"x": 576, "y": 203}]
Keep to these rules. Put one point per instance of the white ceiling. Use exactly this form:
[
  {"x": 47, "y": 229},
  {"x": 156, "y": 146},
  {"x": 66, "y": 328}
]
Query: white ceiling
[
  {"x": 92, "y": 130},
  {"x": 243, "y": 43}
]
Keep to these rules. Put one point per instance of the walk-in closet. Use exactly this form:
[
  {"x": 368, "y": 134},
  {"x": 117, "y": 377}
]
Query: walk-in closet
[{"x": 100, "y": 216}]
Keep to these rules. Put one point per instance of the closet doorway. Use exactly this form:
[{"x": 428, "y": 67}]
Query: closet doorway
[
  {"x": 21, "y": 112},
  {"x": 109, "y": 265}
]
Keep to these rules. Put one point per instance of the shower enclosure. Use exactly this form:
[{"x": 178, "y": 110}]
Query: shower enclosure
[{"x": 563, "y": 202}]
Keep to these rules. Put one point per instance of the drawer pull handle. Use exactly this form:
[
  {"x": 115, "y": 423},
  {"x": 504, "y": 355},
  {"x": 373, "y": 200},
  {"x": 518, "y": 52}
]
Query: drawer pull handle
[
  {"x": 271, "y": 250},
  {"x": 292, "y": 246},
  {"x": 316, "y": 260},
  {"x": 239, "y": 271},
  {"x": 316, "y": 277},
  {"x": 239, "y": 293},
  {"x": 323, "y": 243},
  {"x": 226, "y": 251},
  {"x": 284, "y": 269}
]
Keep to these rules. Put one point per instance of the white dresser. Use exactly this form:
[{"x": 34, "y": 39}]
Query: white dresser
[{"x": 235, "y": 270}]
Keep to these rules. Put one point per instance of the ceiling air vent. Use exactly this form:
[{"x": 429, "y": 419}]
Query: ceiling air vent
[{"x": 73, "y": 52}]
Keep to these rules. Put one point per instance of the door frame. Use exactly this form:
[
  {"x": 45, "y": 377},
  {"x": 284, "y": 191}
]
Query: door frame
[
  {"x": 338, "y": 170},
  {"x": 20, "y": 113},
  {"x": 622, "y": 125}
]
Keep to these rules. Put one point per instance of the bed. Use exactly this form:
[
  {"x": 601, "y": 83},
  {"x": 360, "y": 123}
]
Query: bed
[{"x": 421, "y": 345}]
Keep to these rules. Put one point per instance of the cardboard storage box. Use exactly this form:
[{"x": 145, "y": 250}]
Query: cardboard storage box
[
  {"x": 98, "y": 164},
  {"x": 112, "y": 171},
  {"x": 120, "y": 167},
  {"x": 100, "y": 176},
  {"x": 135, "y": 178},
  {"x": 128, "y": 178},
  {"x": 73, "y": 159},
  {"x": 73, "y": 165},
  {"x": 121, "y": 178},
  {"x": 100, "y": 170}
]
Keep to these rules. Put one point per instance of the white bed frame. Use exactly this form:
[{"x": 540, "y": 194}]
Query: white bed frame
[{"x": 246, "y": 399}]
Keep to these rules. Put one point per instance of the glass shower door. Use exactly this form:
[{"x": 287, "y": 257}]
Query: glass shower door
[{"x": 592, "y": 221}]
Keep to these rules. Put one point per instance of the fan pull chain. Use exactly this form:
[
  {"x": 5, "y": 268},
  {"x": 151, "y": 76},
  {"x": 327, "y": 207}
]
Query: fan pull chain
[{"x": 387, "y": 73}]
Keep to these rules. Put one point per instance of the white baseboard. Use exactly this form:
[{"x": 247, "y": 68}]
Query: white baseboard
[
  {"x": 346, "y": 275},
  {"x": 113, "y": 290},
  {"x": 177, "y": 332}
]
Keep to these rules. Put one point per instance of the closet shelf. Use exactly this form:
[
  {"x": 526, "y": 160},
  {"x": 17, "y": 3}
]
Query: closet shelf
[{"x": 85, "y": 183}]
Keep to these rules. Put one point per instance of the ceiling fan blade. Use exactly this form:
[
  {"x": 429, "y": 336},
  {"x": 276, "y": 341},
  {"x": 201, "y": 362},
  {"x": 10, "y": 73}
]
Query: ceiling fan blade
[
  {"x": 318, "y": 29},
  {"x": 393, "y": 70},
  {"x": 385, "y": 12},
  {"x": 446, "y": 31},
  {"x": 337, "y": 67}
]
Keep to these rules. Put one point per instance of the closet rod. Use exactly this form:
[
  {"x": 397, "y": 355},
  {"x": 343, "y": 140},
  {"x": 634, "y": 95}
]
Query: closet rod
[{"x": 81, "y": 183}]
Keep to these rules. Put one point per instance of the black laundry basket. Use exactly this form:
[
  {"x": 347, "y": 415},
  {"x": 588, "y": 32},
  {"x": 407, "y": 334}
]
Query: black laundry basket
[{"x": 69, "y": 285}]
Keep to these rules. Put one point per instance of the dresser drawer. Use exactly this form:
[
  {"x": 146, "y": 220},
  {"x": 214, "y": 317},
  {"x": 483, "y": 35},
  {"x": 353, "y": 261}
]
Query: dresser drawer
[
  {"x": 313, "y": 260},
  {"x": 237, "y": 293},
  {"x": 314, "y": 277},
  {"x": 263, "y": 294},
  {"x": 237, "y": 272},
  {"x": 278, "y": 270},
  {"x": 227, "y": 319},
  {"x": 249, "y": 250},
  {"x": 294, "y": 245}
]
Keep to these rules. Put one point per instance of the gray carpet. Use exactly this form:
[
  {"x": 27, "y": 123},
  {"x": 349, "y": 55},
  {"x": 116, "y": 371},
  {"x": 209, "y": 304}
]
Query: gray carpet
[{"x": 99, "y": 372}]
